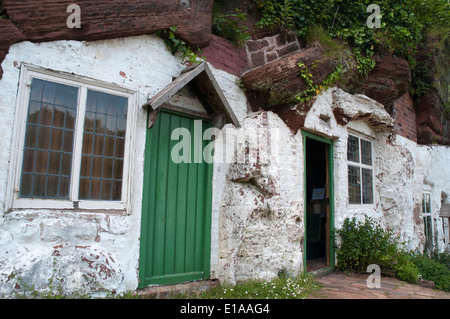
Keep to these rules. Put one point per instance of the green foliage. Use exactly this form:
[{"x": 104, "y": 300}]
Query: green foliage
[
  {"x": 404, "y": 267},
  {"x": 279, "y": 14},
  {"x": 404, "y": 24},
  {"x": 313, "y": 88},
  {"x": 229, "y": 26},
  {"x": 432, "y": 251},
  {"x": 419, "y": 86},
  {"x": 318, "y": 36},
  {"x": 362, "y": 48},
  {"x": 433, "y": 270},
  {"x": 447, "y": 111},
  {"x": 365, "y": 243},
  {"x": 177, "y": 46},
  {"x": 362, "y": 244},
  {"x": 3, "y": 14},
  {"x": 283, "y": 287}
]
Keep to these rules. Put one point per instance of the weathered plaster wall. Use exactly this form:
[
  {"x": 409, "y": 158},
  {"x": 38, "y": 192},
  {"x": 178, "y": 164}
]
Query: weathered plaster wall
[
  {"x": 99, "y": 245},
  {"x": 258, "y": 198},
  {"x": 260, "y": 204},
  {"x": 402, "y": 169},
  {"x": 29, "y": 238},
  {"x": 431, "y": 174},
  {"x": 259, "y": 228}
]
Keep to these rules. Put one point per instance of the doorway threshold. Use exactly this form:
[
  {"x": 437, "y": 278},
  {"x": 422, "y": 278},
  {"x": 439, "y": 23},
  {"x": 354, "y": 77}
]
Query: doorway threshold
[{"x": 323, "y": 271}]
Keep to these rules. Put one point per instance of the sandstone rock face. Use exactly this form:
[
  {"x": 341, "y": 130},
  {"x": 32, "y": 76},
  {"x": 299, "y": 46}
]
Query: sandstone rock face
[
  {"x": 429, "y": 112},
  {"x": 432, "y": 125},
  {"x": 388, "y": 81},
  {"x": 432, "y": 122},
  {"x": 40, "y": 21},
  {"x": 9, "y": 34},
  {"x": 47, "y": 20},
  {"x": 272, "y": 85},
  {"x": 348, "y": 108}
]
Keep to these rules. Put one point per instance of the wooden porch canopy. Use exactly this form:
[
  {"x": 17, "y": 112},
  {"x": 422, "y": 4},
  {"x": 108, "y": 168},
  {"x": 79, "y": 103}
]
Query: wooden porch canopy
[{"x": 201, "y": 80}]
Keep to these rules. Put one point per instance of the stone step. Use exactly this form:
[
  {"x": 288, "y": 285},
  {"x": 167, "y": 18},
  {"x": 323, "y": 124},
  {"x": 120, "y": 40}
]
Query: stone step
[{"x": 169, "y": 291}]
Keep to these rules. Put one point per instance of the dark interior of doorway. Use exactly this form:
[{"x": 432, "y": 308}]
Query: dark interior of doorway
[{"x": 316, "y": 206}]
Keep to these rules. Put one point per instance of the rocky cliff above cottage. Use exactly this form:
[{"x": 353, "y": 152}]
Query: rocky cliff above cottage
[
  {"x": 39, "y": 21},
  {"x": 280, "y": 70}
]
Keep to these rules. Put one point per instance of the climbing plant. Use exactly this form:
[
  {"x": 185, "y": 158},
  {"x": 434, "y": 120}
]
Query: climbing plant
[
  {"x": 229, "y": 26},
  {"x": 316, "y": 88},
  {"x": 178, "y": 46},
  {"x": 403, "y": 26}
]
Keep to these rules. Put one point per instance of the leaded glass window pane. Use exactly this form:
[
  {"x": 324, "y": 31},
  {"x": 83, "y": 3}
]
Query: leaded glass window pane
[
  {"x": 354, "y": 186},
  {"x": 353, "y": 149},
  {"x": 427, "y": 220},
  {"x": 103, "y": 147},
  {"x": 428, "y": 231},
  {"x": 47, "y": 157},
  {"x": 366, "y": 152},
  {"x": 367, "y": 190}
]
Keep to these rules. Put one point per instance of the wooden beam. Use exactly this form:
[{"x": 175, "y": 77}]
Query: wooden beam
[
  {"x": 204, "y": 85},
  {"x": 229, "y": 112},
  {"x": 152, "y": 115},
  {"x": 183, "y": 110},
  {"x": 174, "y": 87}
]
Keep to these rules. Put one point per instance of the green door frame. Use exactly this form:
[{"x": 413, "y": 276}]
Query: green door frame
[
  {"x": 172, "y": 279},
  {"x": 308, "y": 135}
]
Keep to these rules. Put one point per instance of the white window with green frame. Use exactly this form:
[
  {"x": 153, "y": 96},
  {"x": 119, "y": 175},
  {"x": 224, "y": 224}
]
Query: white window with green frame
[
  {"x": 73, "y": 139},
  {"x": 360, "y": 171},
  {"x": 427, "y": 219}
]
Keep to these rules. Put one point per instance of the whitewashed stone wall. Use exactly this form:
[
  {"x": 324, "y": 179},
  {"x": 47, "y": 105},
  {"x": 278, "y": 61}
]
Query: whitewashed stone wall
[
  {"x": 259, "y": 226},
  {"x": 103, "y": 247},
  {"x": 431, "y": 173},
  {"x": 259, "y": 205},
  {"x": 258, "y": 196}
]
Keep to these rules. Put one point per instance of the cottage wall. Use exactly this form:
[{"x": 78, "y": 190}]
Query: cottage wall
[
  {"x": 260, "y": 227},
  {"x": 102, "y": 245},
  {"x": 259, "y": 207},
  {"x": 258, "y": 179}
]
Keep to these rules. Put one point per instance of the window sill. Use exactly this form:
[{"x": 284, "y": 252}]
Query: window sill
[
  {"x": 359, "y": 207},
  {"x": 69, "y": 206},
  {"x": 63, "y": 211}
]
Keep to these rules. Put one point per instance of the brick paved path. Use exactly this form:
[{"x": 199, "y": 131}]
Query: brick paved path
[{"x": 338, "y": 285}]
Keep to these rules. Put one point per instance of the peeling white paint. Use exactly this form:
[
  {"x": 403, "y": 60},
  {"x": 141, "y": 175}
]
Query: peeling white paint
[
  {"x": 259, "y": 233},
  {"x": 258, "y": 205},
  {"x": 142, "y": 64}
]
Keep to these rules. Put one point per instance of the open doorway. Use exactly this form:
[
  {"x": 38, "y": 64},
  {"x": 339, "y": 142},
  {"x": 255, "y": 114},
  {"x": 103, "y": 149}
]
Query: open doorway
[{"x": 319, "y": 254}]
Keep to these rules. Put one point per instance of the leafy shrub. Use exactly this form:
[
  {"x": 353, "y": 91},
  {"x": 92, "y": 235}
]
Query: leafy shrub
[
  {"x": 362, "y": 244},
  {"x": 229, "y": 27},
  {"x": 404, "y": 25},
  {"x": 365, "y": 243},
  {"x": 278, "y": 14},
  {"x": 432, "y": 270},
  {"x": 405, "y": 269},
  {"x": 440, "y": 257}
]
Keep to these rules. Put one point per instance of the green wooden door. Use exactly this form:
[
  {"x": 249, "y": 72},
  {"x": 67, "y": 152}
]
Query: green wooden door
[{"x": 176, "y": 207}]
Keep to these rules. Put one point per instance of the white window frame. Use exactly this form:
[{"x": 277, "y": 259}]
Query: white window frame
[
  {"x": 17, "y": 150},
  {"x": 427, "y": 192},
  {"x": 361, "y": 165}
]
